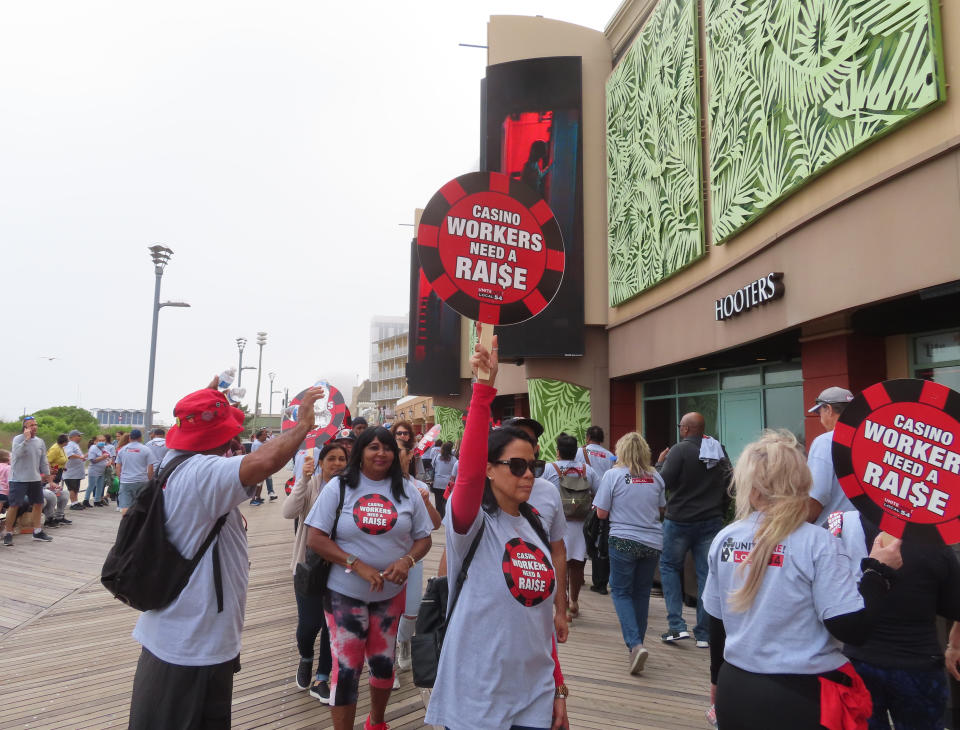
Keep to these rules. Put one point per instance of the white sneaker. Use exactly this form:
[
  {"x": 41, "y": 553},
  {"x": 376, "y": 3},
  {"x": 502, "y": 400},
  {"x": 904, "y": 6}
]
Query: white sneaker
[
  {"x": 396, "y": 682},
  {"x": 701, "y": 644},
  {"x": 638, "y": 657},
  {"x": 404, "y": 656}
]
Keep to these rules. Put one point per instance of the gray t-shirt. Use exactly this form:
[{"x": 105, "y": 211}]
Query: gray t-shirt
[
  {"x": 809, "y": 579},
  {"x": 600, "y": 459},
  {"x": 443, "y": 471},
  {"x": 545, "y": 499},
  {"x": 158, "y": 447},
  {"x": 826, "y": 488},
  {"x": 634, "y": 504},
  {"x": 503, "y": 623},
  {"x": 372, "y": 526},
  {"x": 97, "y": 468},
  {"x": 28, "y": 459},
  {"x": 189, "y": 631},
  {"x": 134, "y": 458},
  {"x": 74, "y": 467}
]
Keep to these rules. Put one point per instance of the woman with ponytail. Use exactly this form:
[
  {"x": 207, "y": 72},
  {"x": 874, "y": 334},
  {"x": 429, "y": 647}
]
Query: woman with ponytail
[
  {"x": 497, "y": 669},
  {"x": 631, "y": 495},
  {"x": 783, "y": 598}
]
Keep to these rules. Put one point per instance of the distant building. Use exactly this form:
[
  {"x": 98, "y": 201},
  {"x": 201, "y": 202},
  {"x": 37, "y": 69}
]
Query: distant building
[
  {"x": 388, "y": 363},
  {"x": 131, "y": 417}
]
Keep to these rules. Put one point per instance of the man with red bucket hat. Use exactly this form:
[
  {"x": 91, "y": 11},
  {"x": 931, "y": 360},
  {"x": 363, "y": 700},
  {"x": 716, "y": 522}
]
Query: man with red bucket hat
[{"x": 191, "y": 648}]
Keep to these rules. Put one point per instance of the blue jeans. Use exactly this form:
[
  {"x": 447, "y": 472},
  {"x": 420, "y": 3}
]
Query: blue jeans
[
  {"x": 269, "y": 485},
  {"x": 94, "y": 487},
  {"x": 915, "y": 698},
  {"x": 630, "y": 581},
  {"x": 678, "y": 538}
]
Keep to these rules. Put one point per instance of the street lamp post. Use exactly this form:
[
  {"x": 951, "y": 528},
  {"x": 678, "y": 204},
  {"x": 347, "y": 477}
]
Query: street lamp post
[
  {"x": 272, "y": 377},
  {"x": 241, "y": 343},
  {"x": 161, "y": 257},
  {"x": 261, "y": 341}
]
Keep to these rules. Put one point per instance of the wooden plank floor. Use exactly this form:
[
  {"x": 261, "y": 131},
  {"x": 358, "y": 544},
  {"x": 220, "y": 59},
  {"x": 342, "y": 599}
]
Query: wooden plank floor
[{"x": 67, "y": 658}]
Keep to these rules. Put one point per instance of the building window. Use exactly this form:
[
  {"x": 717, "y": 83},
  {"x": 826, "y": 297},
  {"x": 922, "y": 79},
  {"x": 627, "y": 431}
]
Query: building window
[
  {"x": 936, "y": 356},
  {"x": 737, "y": 404}
]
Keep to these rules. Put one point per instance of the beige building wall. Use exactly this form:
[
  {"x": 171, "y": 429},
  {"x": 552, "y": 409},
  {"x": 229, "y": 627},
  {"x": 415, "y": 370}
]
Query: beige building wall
[{"x": 848, "y": 238}]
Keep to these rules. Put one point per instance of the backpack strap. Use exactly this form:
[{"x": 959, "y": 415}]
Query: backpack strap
[
  {"x": 167, "y": 469},
  {"x": 336, "y": 519},
  {"x": 464, "y": 567},
  {"x": 586, "y": 456},
  {"x": 556, "y": 468}
]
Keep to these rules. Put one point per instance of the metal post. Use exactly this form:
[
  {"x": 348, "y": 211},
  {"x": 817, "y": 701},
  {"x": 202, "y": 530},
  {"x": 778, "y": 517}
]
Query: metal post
[
  {"x": 261, "y": 341},
  {"x": 272, "y": 376},
  {"x": 148, "y": 416}
]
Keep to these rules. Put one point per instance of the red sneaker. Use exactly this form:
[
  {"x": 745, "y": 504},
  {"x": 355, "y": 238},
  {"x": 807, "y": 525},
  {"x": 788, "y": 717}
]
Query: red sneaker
[{"x": 379, "y": 726}]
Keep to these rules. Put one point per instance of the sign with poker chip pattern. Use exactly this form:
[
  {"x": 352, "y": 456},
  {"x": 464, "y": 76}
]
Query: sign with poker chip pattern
[
  {"x": 528, "y": 573},
  {"x": 327, "y": 427},
  {"x": 491, "y": 248},
  {"x": 896, "y": 452},
  {"x": 375, "y": 514}
]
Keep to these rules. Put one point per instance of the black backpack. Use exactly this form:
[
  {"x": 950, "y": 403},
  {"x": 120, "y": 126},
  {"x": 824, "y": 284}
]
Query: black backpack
[
  {"x": 143, "y": 568},
  {"x": 433, "y": 618}
]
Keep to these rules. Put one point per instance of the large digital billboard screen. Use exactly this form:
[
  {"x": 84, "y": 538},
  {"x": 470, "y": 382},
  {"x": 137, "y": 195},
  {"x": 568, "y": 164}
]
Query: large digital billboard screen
[
  {"x": 433, "y": 360},
  {"x": 533, "y": 133}
]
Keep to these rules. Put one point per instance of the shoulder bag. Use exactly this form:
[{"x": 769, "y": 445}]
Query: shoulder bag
[{"x": 310, "y": 577}]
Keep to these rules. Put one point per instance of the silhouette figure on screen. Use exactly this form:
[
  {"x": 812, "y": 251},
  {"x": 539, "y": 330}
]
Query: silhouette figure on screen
[{"x": 532, "y": 174}]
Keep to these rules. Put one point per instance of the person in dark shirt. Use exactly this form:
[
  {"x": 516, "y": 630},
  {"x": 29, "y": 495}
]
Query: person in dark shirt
[
  {"x": 901, "y": 662},
  {"x": 696, "y": 500}
]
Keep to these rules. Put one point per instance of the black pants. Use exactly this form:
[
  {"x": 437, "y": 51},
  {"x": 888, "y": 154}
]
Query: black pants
[
  {"x": 600, "y": 572},
  {"x": 748, "y": 701},
  {"x": 187, "y": 698},
  {"x": 311, "y": 622},
  {"x": 439, "y": 501}
]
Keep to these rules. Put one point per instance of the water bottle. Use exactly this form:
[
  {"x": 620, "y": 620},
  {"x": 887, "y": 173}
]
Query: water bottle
[
  {"x": 235, "y": 394},
  {"x": 226, "y": 378},
  {"x": 321, "y": 409}
]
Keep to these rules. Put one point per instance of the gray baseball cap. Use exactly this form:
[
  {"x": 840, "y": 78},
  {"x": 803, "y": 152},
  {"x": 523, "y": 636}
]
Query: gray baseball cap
[
  {"x": 833, "y": 395},
  {"x": 75, "y": 432}
]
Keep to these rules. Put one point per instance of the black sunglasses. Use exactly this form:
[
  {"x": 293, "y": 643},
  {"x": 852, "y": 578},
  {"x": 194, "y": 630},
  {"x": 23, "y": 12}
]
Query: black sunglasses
[{"x": 518, "y": 466}]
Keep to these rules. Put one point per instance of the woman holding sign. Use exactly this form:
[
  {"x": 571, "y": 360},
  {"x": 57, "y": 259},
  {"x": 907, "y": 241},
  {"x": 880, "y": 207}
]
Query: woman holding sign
[
  {"x": 503, "y": 619},
  {"x": 782, "y": 596},
  {"x": 382, "y": 531}
]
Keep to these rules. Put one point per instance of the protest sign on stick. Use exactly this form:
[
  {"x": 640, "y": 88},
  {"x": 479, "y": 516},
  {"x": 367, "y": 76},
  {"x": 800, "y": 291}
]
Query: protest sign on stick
[
  {"x": 896, "y": 452},
  {"x": 331, "y": 412}
]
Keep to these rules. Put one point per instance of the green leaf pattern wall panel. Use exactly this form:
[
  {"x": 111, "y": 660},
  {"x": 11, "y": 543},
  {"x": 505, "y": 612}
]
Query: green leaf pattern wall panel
[
  {"x": 654, "y": 185},
  {"x": 796, "y": 86},
  {"x": 451, "y": 423},
  {"x": 562, "y": 408}
]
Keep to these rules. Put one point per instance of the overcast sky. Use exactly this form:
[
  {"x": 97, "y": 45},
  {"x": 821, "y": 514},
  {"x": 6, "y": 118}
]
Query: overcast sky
[{"x": 275, "y": 147}]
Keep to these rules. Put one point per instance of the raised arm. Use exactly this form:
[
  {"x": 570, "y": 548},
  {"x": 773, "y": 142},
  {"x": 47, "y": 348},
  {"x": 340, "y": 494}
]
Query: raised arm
[{"x": 472, "y": 467}]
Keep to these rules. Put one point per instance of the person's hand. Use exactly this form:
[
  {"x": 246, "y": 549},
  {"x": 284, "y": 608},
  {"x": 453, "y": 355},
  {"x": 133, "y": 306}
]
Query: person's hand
[
  {"x": 397, "y": 571},
  {"x": 561, "y": 626},
  {"x": 307, "y": 467},
  {"x": 888, "y": 554},
  {"x": 370, "y": 574},
  {"x": 425, "y": 495},
  {"x": 663, "y": 455},
  {"x": 951, "y": 658},
  {"x": 560, "y": 721},
  {"x": 306, "y": 416},
  {"x": 485, "y": 359},
  {"x": 214, "y": 383}
]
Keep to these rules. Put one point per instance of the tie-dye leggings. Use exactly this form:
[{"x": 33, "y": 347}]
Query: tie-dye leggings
[{"x": 358, "y": 631}]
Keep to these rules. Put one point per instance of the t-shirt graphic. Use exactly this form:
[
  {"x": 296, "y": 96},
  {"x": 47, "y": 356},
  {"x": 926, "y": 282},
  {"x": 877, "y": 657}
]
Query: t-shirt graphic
[
  {"x": 375, "y": 514},
  {"x": 528, "y": 572},
  {"x": 737, "y": 551}
]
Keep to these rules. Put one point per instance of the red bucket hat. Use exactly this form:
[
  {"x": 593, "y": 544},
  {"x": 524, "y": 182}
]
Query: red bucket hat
[{"x": 205, "y": 420}]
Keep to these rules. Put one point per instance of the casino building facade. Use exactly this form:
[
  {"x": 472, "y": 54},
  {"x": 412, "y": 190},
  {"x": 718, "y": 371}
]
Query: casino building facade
[{"x": 753, "y": 213}]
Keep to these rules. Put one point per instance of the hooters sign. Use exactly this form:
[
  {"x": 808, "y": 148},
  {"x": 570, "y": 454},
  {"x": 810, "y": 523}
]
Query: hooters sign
[
  {"x": 491, "y": 248},
  {"x": 896, "y": 452}
]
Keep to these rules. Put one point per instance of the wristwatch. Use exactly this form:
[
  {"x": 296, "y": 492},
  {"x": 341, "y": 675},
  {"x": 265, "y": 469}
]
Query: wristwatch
[
  {"x": 351, "y": 559},
  {"x": 561, "y": 692}
]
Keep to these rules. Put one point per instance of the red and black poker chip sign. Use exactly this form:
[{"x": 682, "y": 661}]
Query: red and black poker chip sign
[
  {"x": 323, "y": 433},
  {"x": 528, "y": 572},
  {"x": 375, "y": 514},
  {"x": 896, "y": 452},
  {"x": 491, "y": 248}
]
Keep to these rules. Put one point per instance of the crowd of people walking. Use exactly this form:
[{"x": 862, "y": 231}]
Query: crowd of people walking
[{"x": 861, "y": 607}]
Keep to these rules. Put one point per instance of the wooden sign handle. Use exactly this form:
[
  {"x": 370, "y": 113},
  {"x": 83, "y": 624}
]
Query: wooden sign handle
[{"x": 486, "y": 340}]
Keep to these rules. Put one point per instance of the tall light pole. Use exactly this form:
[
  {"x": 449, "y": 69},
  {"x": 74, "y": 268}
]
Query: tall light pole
[
  {"x": 261, "y": 341},
  {"x": 241, "y": 343},
  {"x": 161, "y": 257},
  {"x": 272, "y": 377}
]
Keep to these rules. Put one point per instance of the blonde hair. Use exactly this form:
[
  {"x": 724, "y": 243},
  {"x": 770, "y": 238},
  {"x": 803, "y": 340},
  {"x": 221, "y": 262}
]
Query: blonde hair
[
  {"x": 633, "y": 453},
  {"x": 771, "y": 477}
]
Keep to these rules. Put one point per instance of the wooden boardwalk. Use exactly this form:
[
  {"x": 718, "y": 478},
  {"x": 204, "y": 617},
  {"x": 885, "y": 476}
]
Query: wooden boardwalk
[{"x": 67, "y": 658}]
